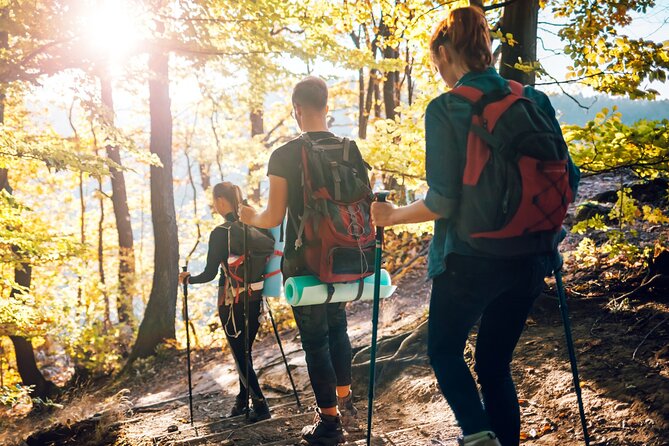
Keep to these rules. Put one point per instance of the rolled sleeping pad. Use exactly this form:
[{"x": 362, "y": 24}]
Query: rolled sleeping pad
[
  {"x": 308, "y": 290},
  {"x": 273, "y": 276}
]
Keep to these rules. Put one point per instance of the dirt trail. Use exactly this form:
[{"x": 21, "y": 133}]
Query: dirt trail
[
  {"x": 623, "y": 354},
  {"x": 627, "y": 399}
]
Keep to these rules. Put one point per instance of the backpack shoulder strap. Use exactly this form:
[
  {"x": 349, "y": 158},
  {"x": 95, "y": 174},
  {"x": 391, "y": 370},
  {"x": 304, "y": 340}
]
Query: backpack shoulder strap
[
  {"x": 470, "y": 94},
  {"x": 517, "y": 88}
]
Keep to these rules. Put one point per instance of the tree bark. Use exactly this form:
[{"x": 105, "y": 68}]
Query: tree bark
[
  {"x": 392, "y": 78},
  {"x": 257, "y": 128},
  {"x": 205, "y": 175},
  {"x": 362, "y": 117},
  {"x": 23, "y": 348},
  {"x": 520, "y": 19},
  {"x": 390, "y": 85},
  {"x": 126, "y": 271},
  {"x": 158, "y": 323},
  {"x": 101, "y": 256}
]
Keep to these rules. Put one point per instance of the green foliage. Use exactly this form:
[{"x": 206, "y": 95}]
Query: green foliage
[
  {"x": 12, "y": 395},
  {"x": 621, "y": 241},
  {"x": 605, "y": 59},
  {"x": 605, "y": 144},
  {"x": 227, "y": 59}
]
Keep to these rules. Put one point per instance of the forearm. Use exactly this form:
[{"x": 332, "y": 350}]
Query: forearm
[
  {"x": 267, "y": 219},
  {"x": 416, "y": 212},
  {"x": 204, "y": 277}
]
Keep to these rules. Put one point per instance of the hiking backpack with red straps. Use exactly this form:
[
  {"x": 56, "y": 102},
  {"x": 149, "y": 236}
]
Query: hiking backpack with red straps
[
  {"x": 515, "y": 186},
  {"x": 335, "y": 237},
  {"x": 261, "y": 247}
]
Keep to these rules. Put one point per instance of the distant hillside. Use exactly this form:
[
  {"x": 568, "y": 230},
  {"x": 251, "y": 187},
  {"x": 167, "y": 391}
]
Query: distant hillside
[{"x": 569, "y": 111}]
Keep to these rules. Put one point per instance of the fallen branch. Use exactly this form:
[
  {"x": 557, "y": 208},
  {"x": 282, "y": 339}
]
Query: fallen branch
[
  {"x": 644, "y": 286},
  {"x": 422, "y": 253},
  {"x": 646, "y": 337}
]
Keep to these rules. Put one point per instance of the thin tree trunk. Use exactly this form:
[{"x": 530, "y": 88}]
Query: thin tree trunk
[
  {"x": 158, "y": 323},
  {"x": 409, "y": 78},
  {"x": 205, "y": 175},
  {"x": 362, "y": 116},
  {"x": 520, "y": 19},
  {"x": 101, "y": 256},
  {"x": 214, "y": 130},
  {"x": 377, "y": 95},
  {"x": 372, "y": 95},
  {"x": 257, "y": 128},
  {"x": 390, "y": 85},
  {"x": 82, "y": 236},
  {"x": 126, "y": 271}
]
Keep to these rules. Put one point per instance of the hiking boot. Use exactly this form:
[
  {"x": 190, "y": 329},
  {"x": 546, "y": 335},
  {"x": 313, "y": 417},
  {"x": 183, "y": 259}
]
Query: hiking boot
[
  {"x": 239, "y": 408},
  {"x": 346, "y": 407},
  {"x": 485, "y": 438},
  {"x": 348, "y": 413},
  {"x": 260, "y": 411},
  {"x": 326, "y": 431}
]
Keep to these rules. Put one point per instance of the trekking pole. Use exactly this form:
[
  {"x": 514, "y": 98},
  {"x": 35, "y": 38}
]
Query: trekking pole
[
  {"x": 562, "y": 299},
  {"x": 285, "y": 361},
  {"x": 381, "y": 197},
  {"x": 247, "y": 343},
  {"x": 190, "y": 380}
]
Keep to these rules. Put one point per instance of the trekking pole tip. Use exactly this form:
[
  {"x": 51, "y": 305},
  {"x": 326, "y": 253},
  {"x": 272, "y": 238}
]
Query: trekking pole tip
[{"x": 381, "y": 195}]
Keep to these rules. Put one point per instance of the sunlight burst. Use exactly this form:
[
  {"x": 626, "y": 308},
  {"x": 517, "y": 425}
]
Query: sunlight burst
[{"x": 113, "y": 28}]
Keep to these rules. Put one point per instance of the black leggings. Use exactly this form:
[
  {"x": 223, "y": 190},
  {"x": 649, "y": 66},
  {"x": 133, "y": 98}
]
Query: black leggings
[
  {"x": 232, "y": 318},
  {"x": 499, "y": 293}
]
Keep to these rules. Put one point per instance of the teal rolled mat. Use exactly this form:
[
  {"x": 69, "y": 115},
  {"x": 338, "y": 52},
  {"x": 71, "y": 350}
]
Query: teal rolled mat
[{"x": 308, "y": 290}]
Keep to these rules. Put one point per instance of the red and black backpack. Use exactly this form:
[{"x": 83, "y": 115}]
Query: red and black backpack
[
  {"x": 335, "y": 237},
  {"x": 260, "y": 248},
  {"x": 515, "y": 185}
]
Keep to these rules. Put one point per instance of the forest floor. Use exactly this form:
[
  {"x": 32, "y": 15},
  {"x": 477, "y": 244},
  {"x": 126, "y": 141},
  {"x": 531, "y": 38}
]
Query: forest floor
[{"x": 623, "y": 353}]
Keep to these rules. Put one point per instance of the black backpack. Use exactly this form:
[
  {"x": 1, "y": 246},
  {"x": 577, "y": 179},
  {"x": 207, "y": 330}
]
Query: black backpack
[
  {"x": 261, "y": 247},
  {"x": 515, "y": 185}
]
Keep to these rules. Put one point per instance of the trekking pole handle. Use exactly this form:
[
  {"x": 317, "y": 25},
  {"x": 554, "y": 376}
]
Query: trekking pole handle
[
  {"x": 185, "y": 284},
  {"x": 381, "y": 197}
]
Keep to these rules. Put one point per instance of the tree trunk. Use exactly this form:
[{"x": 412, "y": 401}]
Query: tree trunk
[
  {"x": 257, "y": 128},
  {"x": 158, "y": 323},
  {"x": 101, "y": 256},
  {"x": 377, "y": 97},
  {"x": 126, "y": 271},
  {"x": 205, "y": 175},
  {"x": 362, "y": 116},
  {"x": 520, "y": 19},
  {"x": 392, "y": 78},
  {"x": 23, "y": 348}
]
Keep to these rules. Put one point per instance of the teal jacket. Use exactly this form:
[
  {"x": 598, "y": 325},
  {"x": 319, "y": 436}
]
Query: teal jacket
[{"x": 447, "y": 121}]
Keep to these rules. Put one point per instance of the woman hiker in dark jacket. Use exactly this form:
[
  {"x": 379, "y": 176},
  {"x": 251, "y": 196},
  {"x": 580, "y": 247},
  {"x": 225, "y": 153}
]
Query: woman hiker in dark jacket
[
  {"x": 224, "y": 247},
  {"x": 468, "y": 285}
]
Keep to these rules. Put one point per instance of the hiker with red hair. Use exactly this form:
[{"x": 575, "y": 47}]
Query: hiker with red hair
[{"x": 500, "y": 179}]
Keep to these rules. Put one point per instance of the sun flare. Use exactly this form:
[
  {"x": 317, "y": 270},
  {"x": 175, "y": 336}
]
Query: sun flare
[{"x": 113, "y": 28}]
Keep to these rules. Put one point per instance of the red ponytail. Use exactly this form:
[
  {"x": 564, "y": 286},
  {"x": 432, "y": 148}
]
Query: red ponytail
[{"x": 465, "y": 32}]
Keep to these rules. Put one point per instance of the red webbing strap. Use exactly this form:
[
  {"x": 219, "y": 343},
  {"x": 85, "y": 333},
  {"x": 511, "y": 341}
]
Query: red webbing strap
[
  {"x": 494, "y": 111},
  {"x": 477, "y": 156},
  {"x": 469, "y": 93}
]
